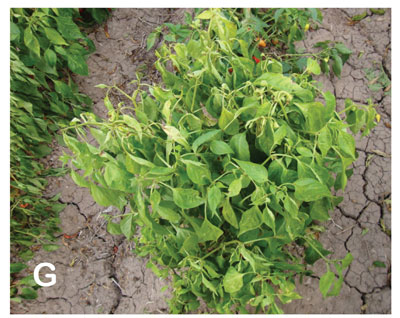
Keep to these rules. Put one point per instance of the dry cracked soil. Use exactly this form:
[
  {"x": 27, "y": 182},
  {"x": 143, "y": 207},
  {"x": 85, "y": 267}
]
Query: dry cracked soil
[{"x": 97, "y": 272}]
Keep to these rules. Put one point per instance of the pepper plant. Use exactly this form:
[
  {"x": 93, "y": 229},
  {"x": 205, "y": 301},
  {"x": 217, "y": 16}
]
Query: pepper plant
[
  {"x": 45, "y": 46},
  {"x": 226, "y": 165}
]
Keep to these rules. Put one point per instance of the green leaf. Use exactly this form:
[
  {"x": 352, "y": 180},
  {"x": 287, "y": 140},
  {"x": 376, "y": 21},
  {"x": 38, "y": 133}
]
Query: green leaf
[
  {"x": 267, "y": 139},
  {"x": 305, "y": 152},
  {"x": 324, "y": 67},
  {"x": 313, "y": 253},
  {"x": 228, "y": 214},
  {"x": 326, "y": 282},
  {"x": 209, "y": 285},
  {"x": 107, "y": 197},
  {"x": 314, "y": 113},
  {"x": 68, "y": 29},
  {"x": 168, "y": 214},
  {"x": 14, "y": 32},
  {"x": 337, "y": 65},
  {"x": 247, "y": 255},
  {"x": 141, "y": 161},
  {"x": 77, "y": 64},
  {"x": 17, "y": 267},
  {"x": 233, "y": 280},
  {"x": 290, "y": 206},
  {"x": 161, "y": 171},
  {"x": 347, "y": 145},
  {"x": 108, "y": 104},
  {"x": 346, "y": 261},
  {"x": 50, "y": 247},
  {"x": 234, "y": 187},
  {"x": 208, "y": 232},
  {"x": 210, "y": 135},
  {"x": 342, "y": 49},
  {"x": 79, "y": 180},
  {"x": 175, "y": 135},
  {"x": 50, "y": 57},
  {"x": 31, "y": 41},
  {"x": 151, "y": 39},
  {"x": 251, "y": 219},
  {"x": 359, "y": 17},
  {"x": 187, "y": 198},
  {"x": 308, "y": 189},
  {"x": 324, "y": 140},
  {"x": 219, "y": 147},
  {"x": 28, "y": 281},
  {"x": 280, "y": 82},
  {"x": 54, "y": 36},
  {"x": 117, "y": 178},
  {"x": 205, "y": 15},
  {"x": 28, "y": 293},
  {"x": 337, "y": 286},
  {"x": 269, "y": 218},
  {"x": 199, "y": 174},
  {"x": 378, "y": 11},
  {"x": 313, "y": 66},
  {"x": 228, "y": 123},
  {"x": 319, "y": 210},
  {"x": 379, "y": 264},
  {"x": 127, "y": 226},
  {"x": 256, "y": 172},
  {"x": 113, "y": 228},
  {"x": 240, "y": 147},
  {"x": 214, "y": 197}
]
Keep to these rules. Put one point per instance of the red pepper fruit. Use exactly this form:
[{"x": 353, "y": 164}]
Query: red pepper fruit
[
  {"x": 230, "y": 70},
  {"x": 256, "y": 59},
  {"x": 81, "y": 10},
  {"x": 109, "y": 9},
  {"x": 24, "y": 205},
  {"x": 70, "y": 236}
]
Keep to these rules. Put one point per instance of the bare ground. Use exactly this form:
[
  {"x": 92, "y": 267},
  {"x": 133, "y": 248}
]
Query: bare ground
[{"x": 97, "y": 273}]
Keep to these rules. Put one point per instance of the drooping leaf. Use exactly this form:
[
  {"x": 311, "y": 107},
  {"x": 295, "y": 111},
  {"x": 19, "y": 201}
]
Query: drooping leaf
[
  {"x": 228, "y": 123},
  {"x": 269, "y": 218},
  {"x": 313, "y": 66},
  {"x": 214, "y": 198},
  {"x": 210, "y": 135},
  {"x": 228, "y": 214},
  {"x": 326, "y": 282},
  {"x": 313, "y": 252}
]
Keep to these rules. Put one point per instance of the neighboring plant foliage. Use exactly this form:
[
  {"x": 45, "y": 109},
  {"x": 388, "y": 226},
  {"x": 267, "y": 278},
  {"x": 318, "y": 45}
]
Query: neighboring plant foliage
[
  {"x": 225, "y": 165},
  {"x": 268, "y": 32},
  {"x": 46, "y": 44}
]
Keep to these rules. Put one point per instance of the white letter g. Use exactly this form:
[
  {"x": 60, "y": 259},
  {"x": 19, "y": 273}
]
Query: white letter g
[{"x": 51, "y": 276}]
